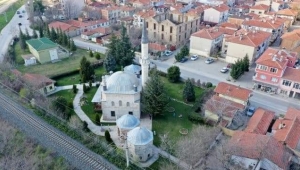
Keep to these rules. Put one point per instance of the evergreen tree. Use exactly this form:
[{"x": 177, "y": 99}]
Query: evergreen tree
[
  {"x": 188, "y": 91},
  {"x": 234, "y": 72},
  {"x": 110, "y": 63},
  {"x": 65, "y": 40},
  {"x": 154, "y": 97},
  {"x": 34, "y": 34},
  {"x": 72, "y": 45},
  {"x": 91, "y": 54},
  {"x": 74, "y": 89},
  {"x": 173, "y": 74},
  {"x": 184, "y": 51},
  {"x": 97, "y": 119},
  {"x": 86, "y": 70},
  {"x": 246, "y": 63},
  {"x": 48, "y": 32},
  {"x": 178, "y": 56},
  {"x": 84, "y": 88},
  {"x": 98, "y": 56},
  {"x": 124, "y": 50},
  {"x": 22, "y": 40},
  {"x": 59, "y": 36},
  {"x": 41, "y": 31},
  {"x": 85, "y": 127},
  {"x": 53, "y": 35},
  {"x": 68, "y": 42},
  {"x": 27, "y": 36},
  {"x": 107, "y": 136}
]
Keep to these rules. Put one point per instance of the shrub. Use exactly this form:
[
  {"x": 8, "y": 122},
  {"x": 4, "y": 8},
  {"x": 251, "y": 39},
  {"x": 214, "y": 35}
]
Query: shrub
[
  {"x": 70, "y": 105},
  {"x": 107, "y": 136},
  {"x": 208, "y": 85},
  {"x": 196, "y": 118},
  {"x": 97, "y": 85},
  {"x": 198, "y": 83},
  {"x": 85, "y": 88},
  {"x": 91, "y": 54},
  {"x": 85, "y": 127},
  {"x": 75, "y": 89},
  {"x": 90, "y": 83},
  {"x": 98, "y": 56},
  {"x": 97, "y": 121}
]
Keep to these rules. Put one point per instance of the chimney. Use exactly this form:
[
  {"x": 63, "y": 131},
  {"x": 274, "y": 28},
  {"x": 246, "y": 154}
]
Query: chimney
[{"x": 104, "y": 83}]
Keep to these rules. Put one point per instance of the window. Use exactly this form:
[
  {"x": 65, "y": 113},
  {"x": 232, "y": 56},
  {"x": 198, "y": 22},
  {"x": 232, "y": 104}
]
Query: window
[
  {"x": 141, "y": 158},
  {"x": 259, "y": 12},
  {"x": 162, "y": 28},
  {"x": 275, "y": 80},
  {"x": 191, "y": 24},
  {"x": 120, "y": 103},
  {"x": 112, "y": 103},
  {"x": 180, "y": 29},
  {"x": 171, "y": 38},
  {"x": 185, "y": 26},
  {"x": 154, "y": 26},
  {"x": 162, "y": 36},
  {"x": 296, "y": 86},
  {"x": 263, "y": 77},
  {"x": 146, "y": 24},
  {"x": 154, "y": 34},
  {"x": 184, "y": 35},
  {"x": 286, "y": 83},
  {"x": 273, "y": 70},
  {"x": 112, "y": 113},
  {"x": 127, "y": 104},
  {"x": 51, "y": 87},
  {"x": 261, "y": 67},
  {"x": 179, "y": 37},
  {"x": 171, "y": 29},
  {"x": 131, "y": 113}
]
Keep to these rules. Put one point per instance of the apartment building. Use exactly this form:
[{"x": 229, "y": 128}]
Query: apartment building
[
  {"x": 274, "y": 72},
  {"x": 260, "y": 9},
  {"x": 216, "y": 14},
  {"x": 291, "y": 41},
  {"x": 243, "y": 42},
  {"x": 111, "y": 13},
  {"x": 173, "y": 28},
  {"x": 289, "y": 14},
  {"x": 139, "y": 17},
  {"x": 273, "y": 5}
]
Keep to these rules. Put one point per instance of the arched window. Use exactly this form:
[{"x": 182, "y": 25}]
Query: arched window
[
  {"x": 120, "y": 103},
  {"x": 112, "y": 103},
  {"x": 127, "y": 104}
]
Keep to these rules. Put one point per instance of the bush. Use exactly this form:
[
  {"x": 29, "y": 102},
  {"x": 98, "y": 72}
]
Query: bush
[
  {"x": 70, "y": 105},
  {"x": 85, "y": 88},
  {"x": 75, "y": 89},
  {"x": 208, "y": 85},
  {"x": 196, "y": 118},
  {"x": 85, "y": 127},
  {"x": 98, "y": 56},
  {"x": 107, "y": 137},
  {"x": 90, "y": 83},
  {"x": 173, "y": 74},
  {"x": 97, "y": 85},
  {"x": 91, "y": 54},
  {"x": 97, "y": 121}
]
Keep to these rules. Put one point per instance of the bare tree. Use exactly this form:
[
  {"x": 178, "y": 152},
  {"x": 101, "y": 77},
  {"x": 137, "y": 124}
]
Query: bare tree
[
  {"x": 75, "y": 122},
  {"x": 91, "y": 12},
  {"x": 71, "y": 9},
  {"x": 135, "y": 35}
]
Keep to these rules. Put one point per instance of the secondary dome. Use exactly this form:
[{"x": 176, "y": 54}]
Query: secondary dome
[
  {"x": 140, "y": 136},
  {"x": 122, "y": 82},
  {"x": 134, "y": 69},
  {"x": 127, "y": 121}
]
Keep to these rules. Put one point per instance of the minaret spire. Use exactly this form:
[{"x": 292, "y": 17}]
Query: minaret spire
[
  {"x": 144, "y": 55},
  {"x": 144, "y": 34}
]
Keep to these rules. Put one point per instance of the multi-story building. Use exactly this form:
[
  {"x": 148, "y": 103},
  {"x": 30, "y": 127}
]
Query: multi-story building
[
  {"x": 111, "y": 13},
  {"x": 238, "y": 19},
  {"x": 274, "y": 72},
  {"x": 139, "y": 17},
  {"x": 206, "y": 42},
  {"x": 275, "y": 26},
  {"x": 291, "y": 41},
  {"x": 274, "y": 5},
  {"x": 260, "y": 9},
  {"x": 216, "y": 14},
  {"x": 289, "y": 14},
  {"x": 252, "y": 43},
  {"x": 173, "y": 28}
]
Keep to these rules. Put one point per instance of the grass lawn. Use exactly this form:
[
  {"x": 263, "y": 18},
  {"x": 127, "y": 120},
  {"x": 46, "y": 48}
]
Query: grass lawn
[
  {"x": 10, "y": 12},
  {"x": 88, "y": 108},
  {"x": 67, "y": 94},
  {"x": 52, "y": 69}
]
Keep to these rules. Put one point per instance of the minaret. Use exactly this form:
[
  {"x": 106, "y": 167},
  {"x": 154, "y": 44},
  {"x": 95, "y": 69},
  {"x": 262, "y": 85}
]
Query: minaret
[{"x": 144, "y": 57}]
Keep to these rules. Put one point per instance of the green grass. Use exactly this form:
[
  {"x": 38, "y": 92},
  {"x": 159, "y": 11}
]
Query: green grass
[
  {"x": 67, "y": 94},
  {"x": 10, "y": 12},
  {"x": 88, "y": 108}
]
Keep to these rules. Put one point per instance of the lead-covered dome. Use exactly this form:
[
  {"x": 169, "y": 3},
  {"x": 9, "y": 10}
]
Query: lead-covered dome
[
  {"x": 122, "y": 82},
  {"x": 140, "y": 136},
  {"x": 127, "y": 122},
  {"x": 134, "y": 69}
]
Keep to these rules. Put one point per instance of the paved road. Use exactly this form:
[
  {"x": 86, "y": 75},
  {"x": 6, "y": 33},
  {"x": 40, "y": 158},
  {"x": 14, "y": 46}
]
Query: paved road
[
  {"x": 88, "y": 45},
  {"x": 12, "y": 29},
  {"x": 4, "y": 5}
]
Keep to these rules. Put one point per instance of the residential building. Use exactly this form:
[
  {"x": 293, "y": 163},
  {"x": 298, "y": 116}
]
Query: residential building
[
  {"x": 240, "y": 9},
  {"x": 43, "y": 49},
  {"x": 260, "y": 122},
  {"x": 29, "y": 59},
  {"x": 216, "y": 14},
  {"x": 274, "y": 5},
  {"x": 260, "y": 9},
  {"x": 275, "y": 26},
  {"x": 127, "y": 11},
  {"x": 291, "y": 41},
  {"x": 206, "y": 42},
  {"x": 142, "y": 4},
  {"x": 290, "y": 82},
  {"x": 289, "y": 14},
  {"x": 286, "y": 130},
  {"x": 111, "y": 13},
  {"x": 255, "y": 151},
  {"x": 238, "y": 19},
  {"x": 156, "y": 47},
  {"x": 101, "y": 31},
  {"x": 250, "y": 43},
  {"x": 71, "y": 9},
  {"x": 173, "y": 28},
  {"x": 139, "y": 17},
  {"x": 86, "y": 25},
  {"x": 272, "y": 67},
  {"x": 68, "y": 29}
]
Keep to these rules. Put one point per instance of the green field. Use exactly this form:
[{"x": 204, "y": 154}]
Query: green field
[{"x": 10, "y": 12}]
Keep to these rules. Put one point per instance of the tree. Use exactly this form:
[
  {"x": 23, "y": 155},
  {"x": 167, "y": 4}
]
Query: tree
[
  {"x": 185, "y": 51},
  {"x": 234, "y": 73},
  {"x": 48, "y": 33},
  {"x": 86, "y": 70},
  {"x": 71, "y": 9},
  {"x": 27, "y": 36},
  {"x": 75, "y": 122},
  {"x": 125, "y": 53},
  {"x": 34, "y": 34},
  {"x": 91, "y": 53},
  {"x": 110, "y": 63},
  {"x": 23, "y": 93},
  {"x": 53, "y": 35},
  {"x": 154, "y": 97},
  {"x": 173, "y": 74},
  {"x": 178, "y": 56},
  {"x": 97, "y": 56},
  {"x": 41, "y": 31},
  {"x": 72, "y": 45},
  {"x": 85, "y": 89},
  {"x": 22, "y": 38},
  {"x": 246, "y": 63},
  {"x": 188, "y": 91},
  {"x": 97, "y": 119},
  {"x": 65, "y": 40},
  {"x": 85, "y": 127},
  {"x": 60, "y": 104},
  {"x": 74, "y": 89},
  {"x": 107, "y": 136}
]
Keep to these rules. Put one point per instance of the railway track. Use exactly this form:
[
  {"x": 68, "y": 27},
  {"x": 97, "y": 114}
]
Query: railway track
[{"x": 88, "y": 158}]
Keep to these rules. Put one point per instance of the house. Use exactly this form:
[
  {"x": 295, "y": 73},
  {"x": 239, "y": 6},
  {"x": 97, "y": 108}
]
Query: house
[
  {"x": 43, "y": 49},
  {"x": 86, "y": 25},
  {"x": 68, "y": 29},
  {"x": 286, "y": 130},
  {"x": 260, "y": 9},
  {"x": 233, "y": 93},
  {"x": 273, "y": 25},
  {"x": 29, "y": 59},
  {"x": 101, "y": 31},
  {"x": 141, "y": 4},
  {"x": 139, "y": 17},
  {"x": 291, "y": 41},
  {"x": 111, "y": 13},
  {"x": 255, "y": 151},
  {"x": 206, "y": 42},
  {"x": 274, "y": 72},
  {"x": 288, "y": 13},
  {"x": 156, "y": 47},
  {"x": 273, "y": 4},
  {"x": 252, "y": 43},
  {"x": 290, "y": 83},
  {"x": 238, "y": 19},
  {"x": 260, "y": 122},
  {"x": 216, "y": 14},
  {"x": 240, "y": 9},
  {"x": 173, "y": 28},
  {"x": 228, "y": 28}
]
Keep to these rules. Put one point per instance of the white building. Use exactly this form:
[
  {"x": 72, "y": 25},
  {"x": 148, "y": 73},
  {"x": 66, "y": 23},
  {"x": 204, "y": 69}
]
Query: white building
[
  {"x": 140, "y": 144},
  {"x": 217, "y": 14}
]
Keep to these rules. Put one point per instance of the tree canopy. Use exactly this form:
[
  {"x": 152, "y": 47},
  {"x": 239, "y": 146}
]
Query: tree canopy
[
  {"x": 86, "y": 70},
  {"x": 188, "y": 91},
  {"x": 173, "y": 74}
]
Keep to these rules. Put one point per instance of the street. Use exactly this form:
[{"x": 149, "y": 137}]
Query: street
[{"x": 88, "y": 45}]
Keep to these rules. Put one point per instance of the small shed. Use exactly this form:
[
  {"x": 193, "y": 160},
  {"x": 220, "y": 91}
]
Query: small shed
[{"x": 29, "y": 59}]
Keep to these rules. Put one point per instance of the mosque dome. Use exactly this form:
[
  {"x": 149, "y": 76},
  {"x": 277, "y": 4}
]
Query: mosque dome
[
  {"x": 140, "y": 136},
  {"x": 128, "y": 122},
  {"x": 122, "y": 81},
  {"x": 134, "y": 69}
]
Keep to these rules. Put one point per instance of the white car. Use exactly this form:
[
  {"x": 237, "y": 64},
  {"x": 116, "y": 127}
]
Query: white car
[
  {"x": 209, "y": 61},
  {"x": 224, "y": 70},
  {"x": 194, "y": 57},
  {"x": 168, "y": 53}
]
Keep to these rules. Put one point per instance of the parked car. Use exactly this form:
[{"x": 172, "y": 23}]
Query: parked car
[
  {"x": 20, "y": 16},
  {"x": 18, "y": 12},
  {"x": 250, "y": 111},
  {"x": 209, "y": 61},
  {"x": 194, "y": 57},
  {"x": 184, "y": 59},
  {"x": 168, "y": 53},
  {"x": 224, "y": 70}
]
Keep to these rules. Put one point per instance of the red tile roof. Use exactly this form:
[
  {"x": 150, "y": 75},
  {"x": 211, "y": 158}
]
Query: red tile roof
[
  {"x": 37, "y": 80},
  {"x": 260, "y": 121},
  {"x": 219, "y": 105},
  {"x": 250, "y": 38},
  {"x": 63, "y": 26},
  {"x": 292, "y": 113},
  {"x": 101, "y": 30},
  {"x": 265, "y": 23},
  {"x": 221, "y": 8},
  {"x": 230, "y": 25},
  {"x": 260, "y": 7},
  {"x": 257, "y": 146},
  {"x": 157, "y": 47},
  {"x": 292, "y": 74},
  {"x": 276, "y": 58},
  {"x": 294, "y": 35},
  {"x": 211, "y": 33},
  {"x": 233, "y": 91},
  {"x": 287, "y": 12},
  {"x": 146, "y": 13}
]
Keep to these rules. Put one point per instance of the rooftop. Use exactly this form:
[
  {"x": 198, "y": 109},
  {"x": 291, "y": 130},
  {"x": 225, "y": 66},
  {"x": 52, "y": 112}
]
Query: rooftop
[
  {"x": 287, "y": 12},
  {"x": 292, "y": 74},
  {"x": 233, "y": 91},
  {"x": 260, "y": 7},
  {"x": 275, "y": 23},
  {"x": 41, "y": 44},
  {"x": 250, "y": 38},
  {"x": 37, "y": 80},
  {"x": 276, "y": 58},
  {"x": 211, "y": 33},
  {"x": 140, "y": 136}
]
